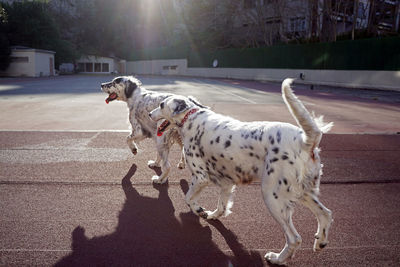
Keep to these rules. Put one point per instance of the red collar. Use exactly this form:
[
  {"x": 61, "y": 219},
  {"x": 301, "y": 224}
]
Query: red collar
[{"x": 190, "y": 112}]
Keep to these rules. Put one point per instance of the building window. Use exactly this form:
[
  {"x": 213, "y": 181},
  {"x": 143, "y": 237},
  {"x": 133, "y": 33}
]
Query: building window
[
  {"x": 88, "y": 67},
  {"x": 105, "y": 67},
  {"x": 97, "y": 67},
  {"x": 81, "y": 67},
  {"x": 20, "y": 59}
]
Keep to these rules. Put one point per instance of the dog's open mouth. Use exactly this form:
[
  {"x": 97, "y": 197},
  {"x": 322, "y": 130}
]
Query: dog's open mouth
[
  {"x": 111, "y": 97},
  {"x": 161, "y": 129}
]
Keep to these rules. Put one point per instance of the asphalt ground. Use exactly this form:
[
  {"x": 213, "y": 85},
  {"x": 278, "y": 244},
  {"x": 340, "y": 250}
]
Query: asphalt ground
[{"x": 72, "y": 194}]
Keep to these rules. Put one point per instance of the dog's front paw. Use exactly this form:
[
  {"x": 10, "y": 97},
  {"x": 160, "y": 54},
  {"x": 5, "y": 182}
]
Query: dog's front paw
[
  {"x": 153, "y": 164},
  {"x": 213, "y": 215},
  {"x": 158, "y": 180},
  {"x": 202, "y": 213},
  {"x": 273, "y": 258},
  {"x": 181, "y": 165},
  {"x": 319, "y": 244},
  {"x": 134, "y": 150}
]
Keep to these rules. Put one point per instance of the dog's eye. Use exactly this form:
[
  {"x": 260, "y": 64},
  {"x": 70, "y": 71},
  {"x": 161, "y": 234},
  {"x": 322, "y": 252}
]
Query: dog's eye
[
  {"x": 118, "y": 80},
  {"x": 162, "y": 105}
]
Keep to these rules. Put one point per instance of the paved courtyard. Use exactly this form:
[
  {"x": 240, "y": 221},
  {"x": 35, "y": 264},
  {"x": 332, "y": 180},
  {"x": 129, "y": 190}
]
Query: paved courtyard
[{"x": 72, "y": 194}]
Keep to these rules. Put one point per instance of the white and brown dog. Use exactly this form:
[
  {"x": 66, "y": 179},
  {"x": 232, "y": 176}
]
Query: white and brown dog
[
  {"x": 140, "y": 102},
  {"x": 228, "y": 152}
]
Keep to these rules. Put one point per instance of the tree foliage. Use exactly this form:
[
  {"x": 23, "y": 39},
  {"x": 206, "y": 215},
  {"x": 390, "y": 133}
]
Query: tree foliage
[
  {"x": 31, "y": 24},
  {"x": 5, "y": 50}
]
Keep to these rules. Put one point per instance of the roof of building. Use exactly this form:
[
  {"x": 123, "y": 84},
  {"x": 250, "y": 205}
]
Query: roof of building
[{"x": 29, "y": 49}]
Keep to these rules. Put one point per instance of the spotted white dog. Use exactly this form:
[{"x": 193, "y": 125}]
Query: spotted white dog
[
  {"x": 140, "y": 102},
  {"x": 228, "y": 152}
]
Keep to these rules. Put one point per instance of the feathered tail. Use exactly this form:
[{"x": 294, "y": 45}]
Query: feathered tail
[{"x": 313, "y": 127}]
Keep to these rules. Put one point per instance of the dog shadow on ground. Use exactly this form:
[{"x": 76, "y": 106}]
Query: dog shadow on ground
[{"x": 149, "y": 234}]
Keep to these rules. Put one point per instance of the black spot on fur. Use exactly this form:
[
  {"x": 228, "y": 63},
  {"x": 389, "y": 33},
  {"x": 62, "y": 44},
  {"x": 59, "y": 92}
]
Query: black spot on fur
[
  {"x": 213, "y": 158},
  {"x": 238, "y": 169},
  {"x": 227, "y": 143},
  {"x": 190, "y": 126},
  {"x": 271, "y": 140},
  {"x": 230, "y": 137},
  {"x": 201, "y": 151},
  {"x": 291, "y": 162},
  {"x": 212, "y": 142},
  {"x": 270, "y": 171},
  {"x": 251, "y": 154},
  {"x": 278, "y": 136},
  {"x": 276, "y": 150},
  {"x": 222, "y": 156},
  {"x": 284, "y": 157},
  {"x": 217, "y": 140},
  {"x": 275, "y": 195},
  {"x": 130, "y": 88},
  {"x": 180, "y": 106},
  {"x": 285, "y": 181},
  {"x": 274, "y": 160}
]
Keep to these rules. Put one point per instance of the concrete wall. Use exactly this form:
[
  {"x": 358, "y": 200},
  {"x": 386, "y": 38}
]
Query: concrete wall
[
  {"x": 42, "y": 64},
  {"x": 158, "y": 67},
  {"x": 16, "y": 68},
  {"x": 389, "y": 80},
  {"x": 30, "y": 63}
]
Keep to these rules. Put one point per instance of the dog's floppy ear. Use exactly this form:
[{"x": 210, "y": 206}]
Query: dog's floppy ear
[
  {"x": 131, "y": 86},
  {"x": 196, "y": 102},
  {"x": 180, "y": 106}
]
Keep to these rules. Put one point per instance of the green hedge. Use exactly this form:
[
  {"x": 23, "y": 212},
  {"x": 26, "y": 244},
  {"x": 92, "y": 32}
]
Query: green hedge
[{"x": 365, "y": 54}]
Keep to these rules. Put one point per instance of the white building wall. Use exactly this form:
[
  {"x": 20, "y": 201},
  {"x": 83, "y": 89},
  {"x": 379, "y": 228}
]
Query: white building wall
[
  {"x": 42, "y": 64},
  {"x": 16, "y": 69}
]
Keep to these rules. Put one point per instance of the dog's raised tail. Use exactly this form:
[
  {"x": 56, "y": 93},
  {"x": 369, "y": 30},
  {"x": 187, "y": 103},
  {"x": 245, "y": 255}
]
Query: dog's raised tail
[{"x": 313, "y": 127}]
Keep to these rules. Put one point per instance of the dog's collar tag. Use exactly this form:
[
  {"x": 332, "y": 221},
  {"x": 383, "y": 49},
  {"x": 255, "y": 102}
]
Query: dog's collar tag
[{"x": 187, "y": 116}]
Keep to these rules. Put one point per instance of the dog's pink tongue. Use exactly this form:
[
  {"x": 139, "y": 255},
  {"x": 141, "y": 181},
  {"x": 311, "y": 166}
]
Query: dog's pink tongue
[{"x": 111, "y": 97}]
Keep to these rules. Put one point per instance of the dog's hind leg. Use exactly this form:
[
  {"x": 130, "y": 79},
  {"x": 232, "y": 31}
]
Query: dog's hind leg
[
  {"x": 181, "y": 164},
  {"x": 165, "y": 167},
  {"x": 281, "y": 209},
  {"x": 196, "y": 186},
  {"x": 163, "y": 145},
  {"x": 324, "y": 217},
  {"x": 225, "y": 202}
]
